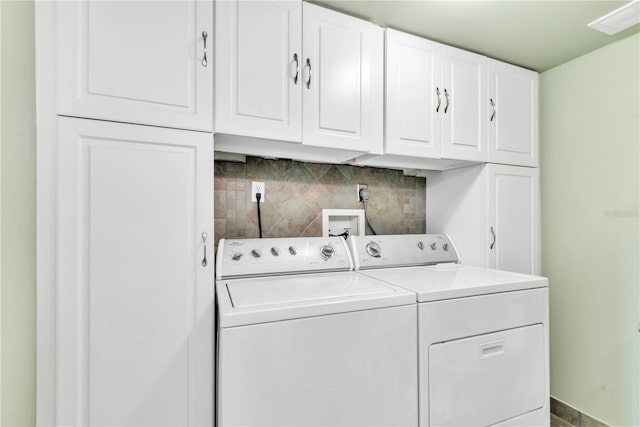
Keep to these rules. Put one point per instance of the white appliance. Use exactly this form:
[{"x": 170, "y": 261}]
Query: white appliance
[
  {"x": 303, "y": 340},
  {"x": 482, "y": 333}
]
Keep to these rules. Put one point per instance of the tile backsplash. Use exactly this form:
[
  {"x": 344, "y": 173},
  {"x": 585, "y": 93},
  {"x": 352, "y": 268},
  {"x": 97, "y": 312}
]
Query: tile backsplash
[{"x": 296, "y": 193}]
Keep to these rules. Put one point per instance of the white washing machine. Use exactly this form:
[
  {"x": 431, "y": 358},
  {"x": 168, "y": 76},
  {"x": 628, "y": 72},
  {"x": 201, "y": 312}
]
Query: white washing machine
[
  {"x": 483, "y": 334},
  {"x": 302, "y": 340}
]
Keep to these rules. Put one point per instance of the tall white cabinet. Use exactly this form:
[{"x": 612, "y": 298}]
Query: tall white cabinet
[
  {"x": 125, "y": 266},
  {"x": 134, "y": 285}
]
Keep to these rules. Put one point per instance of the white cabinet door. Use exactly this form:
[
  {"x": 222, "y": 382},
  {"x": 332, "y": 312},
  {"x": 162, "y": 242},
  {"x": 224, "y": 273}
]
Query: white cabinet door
[
  {"x": 513, "y": 218},
  {"x": 258, "y": 69},
  {"x": 512, "y": 114},
  {"x": 343, "y": 81},
  {"x": 137, "y": 62},
  {"x": 413, "y": 96},
  {"x": 134, "y": 321},
  {"x": 463, "y": 119}
]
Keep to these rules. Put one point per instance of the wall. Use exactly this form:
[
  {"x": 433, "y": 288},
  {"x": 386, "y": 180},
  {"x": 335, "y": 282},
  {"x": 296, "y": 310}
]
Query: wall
[
  {"x": 296, "y": 193},
  {"x": 17, "y": 225},
  {"x": 590, "y": 132}
]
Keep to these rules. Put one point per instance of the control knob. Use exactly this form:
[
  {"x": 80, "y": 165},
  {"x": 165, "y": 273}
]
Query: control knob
[
  {"x": 327, "y": 252},
  {"x": 445, "y": 247},
  {"x": 433, "y": 246},
  {"x": 421, "y": 246},
  {"x": 237, "y": 256},
  {"x": 373, "y": 249},
  {"x": 275, "y": 251},
  {"x": 293, "y": 250},
  {"x": 255, "y": 253}
]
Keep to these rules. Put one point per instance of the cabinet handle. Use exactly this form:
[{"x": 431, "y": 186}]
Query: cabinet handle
[
  {"x": 204, "y": 58},
  {"x": 493, "y": 104},
  {"x": 204, "y": 243},
  {"x": 446, "y": 97},
  {"x": 295, "y": 78},
  {"x": 439, "y": 99},
  {"x": 308, "y": 66},
  {"x": 493, "y": 234}
]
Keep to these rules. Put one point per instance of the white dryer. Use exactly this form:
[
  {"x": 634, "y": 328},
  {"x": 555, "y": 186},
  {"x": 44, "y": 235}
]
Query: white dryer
[
  {"x": 483, "y": 333},
  {"x": 302, "y": 340}
]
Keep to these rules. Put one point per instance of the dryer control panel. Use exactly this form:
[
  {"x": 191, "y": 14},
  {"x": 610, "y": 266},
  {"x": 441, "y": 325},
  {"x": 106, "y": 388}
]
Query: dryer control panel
[
  {"x": 272, "y": 256},
  {"x": 401, "y": 250}
]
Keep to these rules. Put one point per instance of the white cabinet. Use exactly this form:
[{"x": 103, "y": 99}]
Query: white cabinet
[
  {"x": 513, "y": 218},
  {"x": 491, "y": 212},
  {"x": 134, "y": 300},
  {"x": 258, "y": 69},
  {"x": 434, "y": 103},
  {"x": 513, "y": 114},
  {"x": 464, "y": 92},
  {"x": 293, "y": 71},
  {"x": 136, "y": 62},
  {"x": 343, "y": 81},
  {"x": 413, "y": 96}
]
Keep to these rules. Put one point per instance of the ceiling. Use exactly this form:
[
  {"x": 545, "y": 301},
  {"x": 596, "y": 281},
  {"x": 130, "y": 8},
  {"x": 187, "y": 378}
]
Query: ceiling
[{"x": 533, "y": 34}]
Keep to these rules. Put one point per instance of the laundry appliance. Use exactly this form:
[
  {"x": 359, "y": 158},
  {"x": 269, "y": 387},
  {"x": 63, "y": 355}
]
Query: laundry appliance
[
  {"x": 302, "y": 340},
  {"x": 482, "y": 333}
]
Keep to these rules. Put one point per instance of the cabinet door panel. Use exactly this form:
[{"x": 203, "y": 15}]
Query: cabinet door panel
[
  {"x": 514, "y": 216},
  {"x": 513, "y": 132},
  {"x": 134, "y": 302},
  {"x": 413, "y": 73},
  {"x": 116, "y": 63},
  {"x": 463, "y": 118},
  {"x": 257, "y": 93},
  {"x": 343, "y": 103}
]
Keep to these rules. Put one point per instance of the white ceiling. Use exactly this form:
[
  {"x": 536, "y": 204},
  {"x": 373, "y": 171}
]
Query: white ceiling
[{"x": 534, "y": 34}]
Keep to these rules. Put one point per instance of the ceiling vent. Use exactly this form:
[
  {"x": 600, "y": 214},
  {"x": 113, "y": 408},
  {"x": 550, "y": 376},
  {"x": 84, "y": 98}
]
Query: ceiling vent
[{"x": 618, "y": 20}]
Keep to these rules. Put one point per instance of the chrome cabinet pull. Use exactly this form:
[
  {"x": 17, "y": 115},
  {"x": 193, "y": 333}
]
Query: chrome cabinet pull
[
  {"x": 493, "y": 233},
  {"x": 439, "y": 99},
  {"x": 204, "y": 58},
  {"x": 295, "y": 78},
  {"x": 446, "y": 97},
  {"x": 493, "y": 104},
  {"x": 308, "y": 66},
  {"x": 204, "y": 243}
]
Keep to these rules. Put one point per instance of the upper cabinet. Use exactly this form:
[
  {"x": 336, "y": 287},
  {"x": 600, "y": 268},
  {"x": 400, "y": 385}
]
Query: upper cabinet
[
  {"x": 512, "y": 115},
  {"x": 138, "y": 62},
  {"x": 464, "y": 91},
  {"x": 259, "y": 69},
  {"x": 343, "y": 81},
  {"x": 290, "y": 71},
  {"x": 413, "y": 96},
  {"x": 434, "y": 105}
]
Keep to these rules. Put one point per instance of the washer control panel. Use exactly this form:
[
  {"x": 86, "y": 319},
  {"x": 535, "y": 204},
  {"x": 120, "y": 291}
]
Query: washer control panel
[
  {"x": 272, "y": 256},
  {"x": 401, "y": 250}
]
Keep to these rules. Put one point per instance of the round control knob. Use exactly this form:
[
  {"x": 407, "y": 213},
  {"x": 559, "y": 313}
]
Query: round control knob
[
  {"x": 445, "y": 246},
  {"x": 433, "y": 246},
  {"x": 327, "y": 252},
  {"x": 293, "y": 250},
  {"x": 275, "y": 251},
  {"x": 237, "y": 256},
  {"x": 373, "y": 249},
  {"x": 421, "y": 246},
  {"x": 255, "y": 253}
]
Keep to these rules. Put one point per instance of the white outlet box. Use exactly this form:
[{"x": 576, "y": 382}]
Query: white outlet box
[{"x": 258, "y": 187}]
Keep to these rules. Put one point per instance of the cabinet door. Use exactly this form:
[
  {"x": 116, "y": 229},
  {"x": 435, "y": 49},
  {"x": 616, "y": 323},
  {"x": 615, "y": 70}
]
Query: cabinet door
[
  {"x": 513, "y": 226},
  {"x": 258, "y": 69},
  {"x": 413, "y": 96},
  {"x": 343, "y": 81},
  {"x": 137, "y": 62},
  {"x": 512, "y": 114},
  {"x": 134, "y": 299},
  {"x": 464, "y": 93}
]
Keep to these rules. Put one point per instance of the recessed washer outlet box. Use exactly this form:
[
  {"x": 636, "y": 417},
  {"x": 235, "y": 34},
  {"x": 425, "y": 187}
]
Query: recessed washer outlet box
[{"x": 338, "y": 221}]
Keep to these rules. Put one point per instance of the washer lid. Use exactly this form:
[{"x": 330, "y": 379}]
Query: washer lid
[
  {"x": 268, "y": 299},
  {"x": 446, "y": 281}
]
